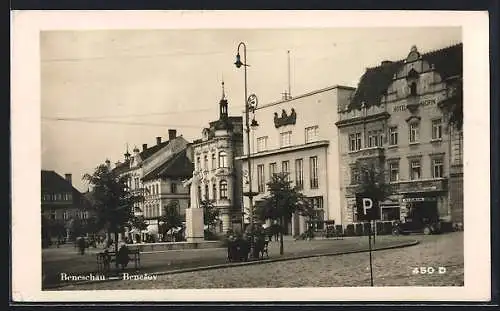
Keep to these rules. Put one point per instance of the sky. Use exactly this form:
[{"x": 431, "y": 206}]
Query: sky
[{"x": 104, "y": 89}]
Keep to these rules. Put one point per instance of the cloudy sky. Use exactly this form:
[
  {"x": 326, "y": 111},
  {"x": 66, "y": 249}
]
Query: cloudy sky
[{"x": 102, "y": 90}]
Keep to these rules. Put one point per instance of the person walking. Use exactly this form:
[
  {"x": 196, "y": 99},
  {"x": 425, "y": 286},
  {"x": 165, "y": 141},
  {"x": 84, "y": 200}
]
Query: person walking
[{"x": 81, "y": 245}]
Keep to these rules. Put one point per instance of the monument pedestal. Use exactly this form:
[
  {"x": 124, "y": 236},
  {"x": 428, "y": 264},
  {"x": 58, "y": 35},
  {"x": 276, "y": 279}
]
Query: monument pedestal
[{"x": 194, "y": 225}]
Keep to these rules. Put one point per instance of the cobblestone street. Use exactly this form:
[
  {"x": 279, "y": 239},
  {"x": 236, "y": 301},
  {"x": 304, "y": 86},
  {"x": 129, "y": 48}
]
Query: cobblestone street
[{"x": 392, "y": 267}]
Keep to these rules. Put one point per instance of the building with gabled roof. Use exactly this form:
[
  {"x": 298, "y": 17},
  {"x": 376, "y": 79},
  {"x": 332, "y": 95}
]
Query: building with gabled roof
[
  {"x": 61, "y": 202},
  {"x": 156, "y": 173},
  {"x": 397, "y": 120}
]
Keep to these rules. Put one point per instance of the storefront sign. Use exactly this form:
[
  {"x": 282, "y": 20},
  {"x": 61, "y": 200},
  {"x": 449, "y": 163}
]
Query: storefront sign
[
  {"x": 407, "y": 200},
  {"x": 423, "y": 103}
]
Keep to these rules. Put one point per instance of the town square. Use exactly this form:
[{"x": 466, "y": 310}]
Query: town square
[{"x": 226, "y": 158}]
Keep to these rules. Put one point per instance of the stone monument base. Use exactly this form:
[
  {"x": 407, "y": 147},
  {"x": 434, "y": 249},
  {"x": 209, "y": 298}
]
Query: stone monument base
[{"x": 194, "y": 225}]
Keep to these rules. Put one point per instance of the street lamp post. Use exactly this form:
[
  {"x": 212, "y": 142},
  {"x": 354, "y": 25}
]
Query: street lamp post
[{"x": 250, "y": 194}]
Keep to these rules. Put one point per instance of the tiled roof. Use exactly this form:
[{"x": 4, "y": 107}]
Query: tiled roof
[
  {"x": 150, "y": 151},
  {"x": 55, "y": 183},
  {"x": 375, "y": 81},
  {"x": 122, "y": 167},
  {"x": 178, "y": 166}
]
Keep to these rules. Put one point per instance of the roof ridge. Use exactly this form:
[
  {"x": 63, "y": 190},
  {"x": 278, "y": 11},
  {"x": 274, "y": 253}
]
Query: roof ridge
[{"x": 423, "y": 54}]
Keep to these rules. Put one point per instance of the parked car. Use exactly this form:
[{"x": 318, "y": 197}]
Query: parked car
[{"x": 425, "y": 226}]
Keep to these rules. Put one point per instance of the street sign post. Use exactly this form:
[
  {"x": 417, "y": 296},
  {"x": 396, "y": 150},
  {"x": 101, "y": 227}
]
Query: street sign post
[{"x": 367, "y": 211}]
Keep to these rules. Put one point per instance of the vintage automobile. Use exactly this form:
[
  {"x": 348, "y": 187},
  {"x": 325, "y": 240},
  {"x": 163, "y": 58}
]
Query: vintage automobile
[{"x": 414, "y": 225}]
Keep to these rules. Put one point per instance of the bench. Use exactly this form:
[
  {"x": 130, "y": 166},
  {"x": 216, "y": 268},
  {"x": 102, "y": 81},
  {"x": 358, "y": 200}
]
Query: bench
[{"x": 104, "y": 260}]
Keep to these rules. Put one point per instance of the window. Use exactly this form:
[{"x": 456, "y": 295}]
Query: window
[
  {"x": 206, "y": 192},
  {"x": 157, "y": 189},
  {"x": 223, "y": 159},
  {"x": 414, "y": 132},
  {"x": 312, "y": 133},
  {"x": 393, "y": 171},
  {"x": 375, "y": 138},
  {"x": 173, "y": 188},
  {"x": 414, "y": 169},
  {"x": 437, "y": 168},
  {"x": 214, "y": 165},
  {"x": 393, "y": 136},
  {"x": 437, "y": 129},
  {"x": 299, "y": 174},
  {"x": 136, "y": 183},
  {"x": 52, "y": 214},
  {"x": 198, "y": 163},
  {"x": 413, "y": 89},
  {"x": 66, "y": 215},
  {"x": 285, "y": 168},
  {"x": 354, "y": 175},
  {"x": 355, "y": 142},
  {"x": 313, "y": 167},
  {"x": 214, "y": 191},
  {"x": 272, "y": 170},
  {"x": 223, "y": 189},
  {"x": 85, "y": 214},
  {"x": 205, "y": 162},
  {"x": 261, "y": 144},
  {"x": 260, "y": 178},
  {"x": 286, "y": 139}
]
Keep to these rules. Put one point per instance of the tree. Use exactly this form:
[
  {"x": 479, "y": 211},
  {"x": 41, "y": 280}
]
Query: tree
[
  {"x": 456, "y": 106},
  {"x": 372, "y": 181},
  {"x": 283, "y": 200},
  {"x": 171, "y": 218},
  {"x": 210, "y": 213},
  {"x": 139, "y": 222},
  {"x": 112, "y": 200}
]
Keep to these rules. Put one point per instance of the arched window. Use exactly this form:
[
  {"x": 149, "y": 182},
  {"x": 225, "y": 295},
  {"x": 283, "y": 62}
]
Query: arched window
[
  {"x": 214, "y": 191},
  {"x": 413, "y": 89},
  {"x": 223, "y": 189},
  {"x": 206, "y": 197},
  {"x": 205, "y": 162},
  {"x": 223, "y": 159}
]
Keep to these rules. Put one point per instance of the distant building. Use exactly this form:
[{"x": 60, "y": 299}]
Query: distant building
[
  {"x": 397, "y": 120},
  {"x": 156, "y": 173},
  {"x": 215, "y": 155},
  {"x": 298, "y": 136},
  {"x": 60, "y": 203}
]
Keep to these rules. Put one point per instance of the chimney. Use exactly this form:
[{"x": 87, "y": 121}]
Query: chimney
[
  {"x": 172, "y": 134},
  {"x": 158, "y": 140},
  {"x": 144, "y": 147},
  {"x": 68, "y": 178}
]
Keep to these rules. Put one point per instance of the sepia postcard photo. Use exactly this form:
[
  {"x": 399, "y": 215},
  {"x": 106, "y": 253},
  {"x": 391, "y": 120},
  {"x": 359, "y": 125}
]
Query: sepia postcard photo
[{"x": 250, "y": 156}]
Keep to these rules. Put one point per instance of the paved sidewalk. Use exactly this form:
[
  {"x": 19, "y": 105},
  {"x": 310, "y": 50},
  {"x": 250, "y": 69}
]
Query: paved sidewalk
[{"x": 178, "y": 261}]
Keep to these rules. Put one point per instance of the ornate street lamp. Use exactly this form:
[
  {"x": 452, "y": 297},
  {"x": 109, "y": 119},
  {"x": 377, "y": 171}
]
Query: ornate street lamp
[{"x": 250, "y": 104}]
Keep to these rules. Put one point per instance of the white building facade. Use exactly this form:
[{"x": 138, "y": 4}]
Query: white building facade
[
  {"x": 299, "y": 136},
  {"x": 214, "y": 156}
]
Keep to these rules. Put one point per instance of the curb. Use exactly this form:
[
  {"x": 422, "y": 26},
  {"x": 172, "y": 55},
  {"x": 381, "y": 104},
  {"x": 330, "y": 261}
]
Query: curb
[{"x": 248, "y": 263}]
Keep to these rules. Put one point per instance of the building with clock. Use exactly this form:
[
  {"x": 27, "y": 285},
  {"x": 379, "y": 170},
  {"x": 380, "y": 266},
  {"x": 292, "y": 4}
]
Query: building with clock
[{"x": 298, "y": 136}]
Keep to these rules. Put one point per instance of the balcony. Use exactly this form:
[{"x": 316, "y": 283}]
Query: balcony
[
  {"x": 367, "y": 153},
  {"x": 427, "y": 185}
]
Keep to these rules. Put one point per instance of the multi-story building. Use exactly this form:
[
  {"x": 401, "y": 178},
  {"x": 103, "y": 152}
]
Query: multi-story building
[
  {"x": 215, "y": 155},
  {"x": 156, "y": 173},
  {"x": 396, "y": 119},
  {"x": 61, "y": 202},
  {"x": 298, "y": 135}
]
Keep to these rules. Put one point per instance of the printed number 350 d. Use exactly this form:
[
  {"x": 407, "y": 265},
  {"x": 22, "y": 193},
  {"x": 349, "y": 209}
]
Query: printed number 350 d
[{"x": 429, "y": 270}]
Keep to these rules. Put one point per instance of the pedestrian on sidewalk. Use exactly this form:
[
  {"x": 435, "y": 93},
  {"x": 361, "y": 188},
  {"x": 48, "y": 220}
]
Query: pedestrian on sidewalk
[{"x": 81, "y": 245}]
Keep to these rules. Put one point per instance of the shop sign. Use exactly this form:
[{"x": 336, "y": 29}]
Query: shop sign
[
  {"x": 428, "y": 199},
  {"x": 423, "y": 103}
]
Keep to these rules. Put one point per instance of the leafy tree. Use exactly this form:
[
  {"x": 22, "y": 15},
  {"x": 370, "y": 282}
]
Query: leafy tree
[
  {"x": 210, "y": 213},
  {"x": 283, "y": 200},
  {"x": 112, "y": 200},
  {"x": 456, "y": 106},
  {"x": 171, "y": 218},
  {"x": 372, "y": 181},
  {"x": 139, "y": 222}
]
